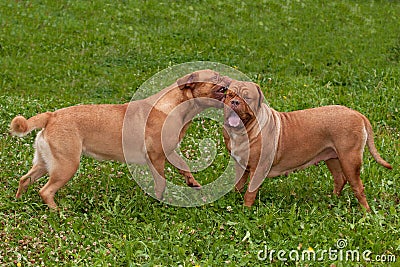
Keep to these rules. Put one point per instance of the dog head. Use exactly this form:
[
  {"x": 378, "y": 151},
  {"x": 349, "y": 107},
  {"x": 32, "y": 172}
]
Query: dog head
[
  {"x": 242, "y": 102},
  {"x": 206, "y": 84}
]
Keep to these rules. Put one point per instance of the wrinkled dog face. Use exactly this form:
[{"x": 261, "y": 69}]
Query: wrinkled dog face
[
  {"x": 206, "y": 84},
  {"x": 242, "y": 101}
]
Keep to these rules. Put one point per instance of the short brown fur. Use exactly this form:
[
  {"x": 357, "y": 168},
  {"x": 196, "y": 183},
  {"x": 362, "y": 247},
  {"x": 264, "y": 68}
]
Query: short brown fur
[
  {"x": 100, "y": 131},
  {"x": 288, "y": 141}
]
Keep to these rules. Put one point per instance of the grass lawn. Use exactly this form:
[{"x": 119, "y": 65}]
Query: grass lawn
[{"x": 304, "y": 54}]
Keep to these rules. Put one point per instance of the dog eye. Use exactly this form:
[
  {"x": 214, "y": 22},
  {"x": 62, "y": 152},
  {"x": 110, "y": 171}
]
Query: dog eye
[{"x": 222, "y": 89}]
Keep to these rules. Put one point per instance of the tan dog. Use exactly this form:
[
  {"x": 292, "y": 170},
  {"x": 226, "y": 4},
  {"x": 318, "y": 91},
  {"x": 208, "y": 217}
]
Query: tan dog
[
  {"x": 100, "y": 131},
  {"x": 267, "y": 143}
]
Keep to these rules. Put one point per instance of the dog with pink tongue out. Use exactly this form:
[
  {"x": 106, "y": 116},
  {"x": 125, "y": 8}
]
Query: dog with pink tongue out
[{"x": 267, "y": 143}]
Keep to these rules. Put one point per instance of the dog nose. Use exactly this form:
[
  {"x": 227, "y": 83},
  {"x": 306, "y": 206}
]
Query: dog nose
[{"x": 235, "y": 103}]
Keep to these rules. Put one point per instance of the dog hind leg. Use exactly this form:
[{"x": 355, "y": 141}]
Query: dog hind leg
[
  {"x": 351, "y": 167},
  {"x": 38, "y": 170},
  {"x": 61, "y": 172},
  {"x": 62, "y": 156},
  {"x": 338, "y": 177},
  {"x": 39, "y": 167}
]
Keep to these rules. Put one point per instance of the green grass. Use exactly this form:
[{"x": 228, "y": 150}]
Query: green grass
[{"x": 304, "y": 54}]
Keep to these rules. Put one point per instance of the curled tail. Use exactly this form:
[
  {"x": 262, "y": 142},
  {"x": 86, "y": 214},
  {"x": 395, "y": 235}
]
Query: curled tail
[
  {"x": 371, "y": 145},
  {"x": 21, "y": 126}
]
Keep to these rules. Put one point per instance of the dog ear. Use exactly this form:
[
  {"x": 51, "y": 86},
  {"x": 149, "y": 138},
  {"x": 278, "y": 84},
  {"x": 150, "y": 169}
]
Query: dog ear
[
  {"x": 260, "y": 95},
  {"x": 187, "y": 81},
  {"x": 269, "y": 138}
]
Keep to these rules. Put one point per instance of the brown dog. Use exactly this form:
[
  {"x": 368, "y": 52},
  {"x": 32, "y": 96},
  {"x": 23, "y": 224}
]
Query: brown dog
[
  {"x": 267, "y": 143},
  {"x": 128, "y": 132}
]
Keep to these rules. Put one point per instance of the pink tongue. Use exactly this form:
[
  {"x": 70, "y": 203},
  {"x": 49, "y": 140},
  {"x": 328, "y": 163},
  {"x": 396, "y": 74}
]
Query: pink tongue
[{"x": 233, "y": 120}]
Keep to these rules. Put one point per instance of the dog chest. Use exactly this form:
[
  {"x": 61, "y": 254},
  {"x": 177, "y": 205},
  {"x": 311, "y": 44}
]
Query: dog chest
[{"x": 240, "y": 149}]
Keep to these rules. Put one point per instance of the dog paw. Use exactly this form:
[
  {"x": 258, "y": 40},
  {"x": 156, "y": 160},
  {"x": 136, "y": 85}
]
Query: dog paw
[{"x": 194, "y": 184}]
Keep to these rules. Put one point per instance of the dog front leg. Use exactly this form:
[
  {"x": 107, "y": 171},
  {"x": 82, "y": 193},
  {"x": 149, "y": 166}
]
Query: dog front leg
[
  {"x": 241, "y": 177},
  {"x": 184, "y": 169},
  {"x": 250, "y": 196},
  {"x": 156, "y": 164}
]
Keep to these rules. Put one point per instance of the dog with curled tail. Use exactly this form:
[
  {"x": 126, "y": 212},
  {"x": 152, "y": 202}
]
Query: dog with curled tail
[{"x": 128, "y": 133}]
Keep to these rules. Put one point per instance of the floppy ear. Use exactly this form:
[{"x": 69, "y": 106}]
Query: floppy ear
[
  {"x": 269, "y": 144},
  {"x": 260, "y": 95},
  {"x": 187, "y": 81}
]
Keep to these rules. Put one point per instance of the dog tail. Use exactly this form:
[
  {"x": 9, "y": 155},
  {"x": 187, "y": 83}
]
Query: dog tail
[
  {"x": 21, "y": 126},
  {"x": 371, "y": 145}
]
